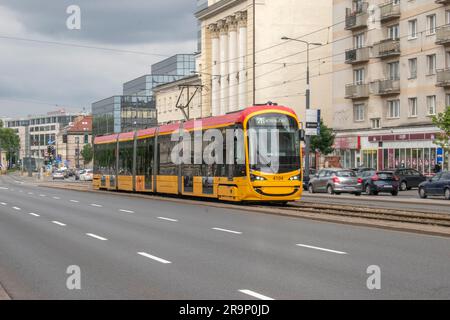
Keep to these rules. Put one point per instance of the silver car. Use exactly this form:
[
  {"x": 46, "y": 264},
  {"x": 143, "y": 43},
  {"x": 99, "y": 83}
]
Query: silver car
[{"x": 336, "y": 181}]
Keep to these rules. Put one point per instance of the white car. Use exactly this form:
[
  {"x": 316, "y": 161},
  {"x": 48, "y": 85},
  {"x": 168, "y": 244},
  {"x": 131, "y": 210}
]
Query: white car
[
  {"x": 58, "y": 175},
  {"x": 87, "y": 175}
]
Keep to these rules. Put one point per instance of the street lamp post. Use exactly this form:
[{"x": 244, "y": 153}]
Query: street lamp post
[
  {"x": 308, "y": 97},
  {"x": 77, "y": 140}
]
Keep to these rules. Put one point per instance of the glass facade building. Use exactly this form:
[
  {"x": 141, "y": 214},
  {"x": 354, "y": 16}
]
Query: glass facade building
[
  {"x": 143, "y": 86},
  {"x": 177, "y": 65},
  {"x": 123, "y": 113}
]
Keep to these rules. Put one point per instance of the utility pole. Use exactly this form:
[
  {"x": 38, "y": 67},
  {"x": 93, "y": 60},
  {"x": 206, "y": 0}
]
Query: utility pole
[
  {"x": 308, "y": 99},
  {"x": 77, "y": 140}
]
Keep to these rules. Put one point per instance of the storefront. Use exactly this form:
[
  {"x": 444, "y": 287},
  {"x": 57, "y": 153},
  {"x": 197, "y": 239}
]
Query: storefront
[{"x": 348, "y": 149}]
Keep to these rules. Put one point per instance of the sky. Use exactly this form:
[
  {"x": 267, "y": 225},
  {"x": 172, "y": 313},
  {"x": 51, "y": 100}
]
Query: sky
[{"x": 45, "y": 66}]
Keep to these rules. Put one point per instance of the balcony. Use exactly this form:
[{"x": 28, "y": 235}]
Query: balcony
[
  {"x": 356, "y": 91},
  {"x": 354, "y": 56},
  {"x": 356, "y": 18},
  {"x": 386, "y": 48},
  {"x": 443, "y": 78},
  {"x": 444, "y": 2},
  {"x": 389, "y": 11},
  {"x": 386, "y": 87},
  {"x": 443, "y": 35}
]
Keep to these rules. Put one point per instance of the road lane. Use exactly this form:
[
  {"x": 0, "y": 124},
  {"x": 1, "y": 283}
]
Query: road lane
[{"x": 264, "y": 258}]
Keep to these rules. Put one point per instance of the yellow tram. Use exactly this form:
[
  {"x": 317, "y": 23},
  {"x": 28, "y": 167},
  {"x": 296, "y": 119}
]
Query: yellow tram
[{"x": 143, "y": 160}]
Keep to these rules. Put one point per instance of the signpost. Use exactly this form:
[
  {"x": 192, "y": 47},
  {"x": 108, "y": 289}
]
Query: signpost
[{"x": 312, "y": 125}]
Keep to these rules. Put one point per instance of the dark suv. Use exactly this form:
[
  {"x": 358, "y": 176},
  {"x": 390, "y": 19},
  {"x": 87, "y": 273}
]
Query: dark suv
[
  {"x": 409, "y": 178},
  {"x": 375, "y": 182}
]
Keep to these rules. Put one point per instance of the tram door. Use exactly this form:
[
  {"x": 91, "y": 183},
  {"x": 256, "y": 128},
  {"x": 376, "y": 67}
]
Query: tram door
[{"x": 149, "y": 164}]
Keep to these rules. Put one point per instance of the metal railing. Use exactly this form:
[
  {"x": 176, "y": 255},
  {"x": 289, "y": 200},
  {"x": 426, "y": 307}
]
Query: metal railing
[
  {"x": 386, "y": 48},
  {"x": 357, "y": 17},
  {"x": 354, "y": 91},
  {"x": 357, "y": 55},
  {"x": 389, "y": 11},
  {"x": 386, "y": 86}
]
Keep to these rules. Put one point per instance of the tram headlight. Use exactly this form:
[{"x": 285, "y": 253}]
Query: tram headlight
[
  {"x": 257, "y": 178},
  {"x": 295, "y": 178}
]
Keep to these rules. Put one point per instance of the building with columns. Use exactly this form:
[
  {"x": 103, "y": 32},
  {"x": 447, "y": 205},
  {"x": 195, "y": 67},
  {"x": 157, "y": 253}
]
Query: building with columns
[{"x": 243, "y": 60}]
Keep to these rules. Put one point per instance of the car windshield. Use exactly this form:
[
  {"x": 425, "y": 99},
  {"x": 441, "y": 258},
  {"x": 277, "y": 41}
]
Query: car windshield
[{"x": 346, "y": 174}]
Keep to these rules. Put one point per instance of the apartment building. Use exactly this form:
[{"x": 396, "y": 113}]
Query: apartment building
[
  {"x": 244, "y": 61},
  {"x": 390, "y": 76},
  {"x": 37, "y": 132}
]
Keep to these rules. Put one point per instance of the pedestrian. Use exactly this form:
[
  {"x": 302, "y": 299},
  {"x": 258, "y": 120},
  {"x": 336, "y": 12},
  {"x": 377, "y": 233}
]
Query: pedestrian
[{"x": 437, "y": 168}]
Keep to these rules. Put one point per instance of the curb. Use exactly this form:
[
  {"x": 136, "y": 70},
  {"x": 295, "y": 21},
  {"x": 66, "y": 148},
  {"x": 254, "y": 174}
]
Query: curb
[
  {"x": 3, "y": 294},
  {"x": 354, "y": 221},
  {"x": 434, "y": 202}
]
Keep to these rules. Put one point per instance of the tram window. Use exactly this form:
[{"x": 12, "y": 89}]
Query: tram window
[
  {"x": 126, "y": 158},
  {"x": 166, "y": 166},
  {"x": 144, "y": 157}
]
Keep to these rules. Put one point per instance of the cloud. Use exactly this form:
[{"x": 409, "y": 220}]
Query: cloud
[
  {"x": 35, "y": 77},
  {"x": 111, "y": 21}
]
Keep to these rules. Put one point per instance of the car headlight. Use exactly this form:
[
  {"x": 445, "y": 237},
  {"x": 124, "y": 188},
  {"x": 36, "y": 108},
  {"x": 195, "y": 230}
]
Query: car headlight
[
  {"x": 257, "y": 178},
  {"x": 295, "y": 178}
]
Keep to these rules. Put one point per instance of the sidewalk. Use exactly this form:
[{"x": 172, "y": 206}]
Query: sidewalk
[{"x": 3, "y": 294}]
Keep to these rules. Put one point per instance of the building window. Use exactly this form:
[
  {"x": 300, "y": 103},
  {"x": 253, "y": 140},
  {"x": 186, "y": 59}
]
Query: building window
[
  {"x": 393, "y": 70},
  {"x": 431, "y": 105},
  {"x": 412, "y": 68},
  {"x": 358, "y": 76},
  {"x": 412, "y": 29},
  {"x": 376, "y": 123},
  {"x": 431, "y": 24},
  {"x": 86, "y": 139},
  {"x": 358, "y": 112},
  {"x": 393, "y": 109},
  {"x": 431, "y": 64},
  {"x": 393, "y": 32},
  {"x": 412, "y": 107},
  {"x": 359, "y": 41}
]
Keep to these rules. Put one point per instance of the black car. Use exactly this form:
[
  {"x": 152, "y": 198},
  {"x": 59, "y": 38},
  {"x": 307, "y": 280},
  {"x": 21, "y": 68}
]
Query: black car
[
  {"x": 409, "y": 178},
  {"x": 306, "y": 179},
  {"x": 439, "y": 185},
  {"x": 374, "y": 182}
]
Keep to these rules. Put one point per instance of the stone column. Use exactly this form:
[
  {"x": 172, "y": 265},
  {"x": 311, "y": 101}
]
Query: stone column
[
  {"x": 215, "y": 69},
  {"x": 233, "y": 100},
  {"x": 223, "y": 27},
  {"x": 242, "y": 52}
]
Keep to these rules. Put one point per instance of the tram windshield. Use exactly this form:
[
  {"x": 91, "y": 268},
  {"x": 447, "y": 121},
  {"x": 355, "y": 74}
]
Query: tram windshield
[{"x": 274, "y": 143}]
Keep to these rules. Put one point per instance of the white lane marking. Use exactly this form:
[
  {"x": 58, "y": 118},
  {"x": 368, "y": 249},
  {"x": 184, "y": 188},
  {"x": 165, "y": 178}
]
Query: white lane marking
[
  {"x": 42, "y": 195},
  {"x": 4, "y": 188},
  {"x": 16, "y": 208},
  {"x": 226, "y": 230},
  {"x": 96, "y": 236},
  {"x": 56, "y": 198},
  {"x": 96, "y": 205},
  {"x": 168, "y": 219},
  {"x": 21, "y": 191},
  {"x": 34, "y": 214},
  {"x": 30, "y": 193},
  {"x": 75, "y": 201},
  {"x": 126, "y": 211},
  {"x": 321, "y": 249},
  {"x": 59, "y": 223},
  {"x": 255, "y": 294},
  {"x": 3, "y": 203},
  {"x": 144, "y": 254}
]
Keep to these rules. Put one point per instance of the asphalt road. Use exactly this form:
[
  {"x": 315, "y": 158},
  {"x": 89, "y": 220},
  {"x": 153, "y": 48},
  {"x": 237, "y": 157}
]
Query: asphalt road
[{"x": 133, "y": 248}]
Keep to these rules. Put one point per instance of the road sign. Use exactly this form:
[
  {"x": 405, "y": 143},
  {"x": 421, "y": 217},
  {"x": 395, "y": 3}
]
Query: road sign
[{"x": 312, "y": 125}]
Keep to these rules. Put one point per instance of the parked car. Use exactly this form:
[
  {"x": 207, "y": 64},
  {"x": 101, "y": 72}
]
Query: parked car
[
  {"x": 306, "y": 179},
  {"x": 336, "y": 181},
  {"x": 78, "y": 173},
  {"x": 439, "y": 185},
  {"x": 360, "y": 170},
  {"x": 409, "y": 178},
  {"x": 87, "y": 175},
  {"x": 58, "y": 174},
  {"x": 374, "y": 182}
]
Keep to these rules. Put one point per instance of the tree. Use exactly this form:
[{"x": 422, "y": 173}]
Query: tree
[
  {"x": 323, "y": 142},
  {"x": 87, "y": 153},
  {"x": 9, "y": 142},
  {"x": 442, "y": 121}
]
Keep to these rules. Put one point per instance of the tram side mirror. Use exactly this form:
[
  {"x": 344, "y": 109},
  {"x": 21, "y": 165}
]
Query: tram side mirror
[{"x": 301, "y": 134}]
